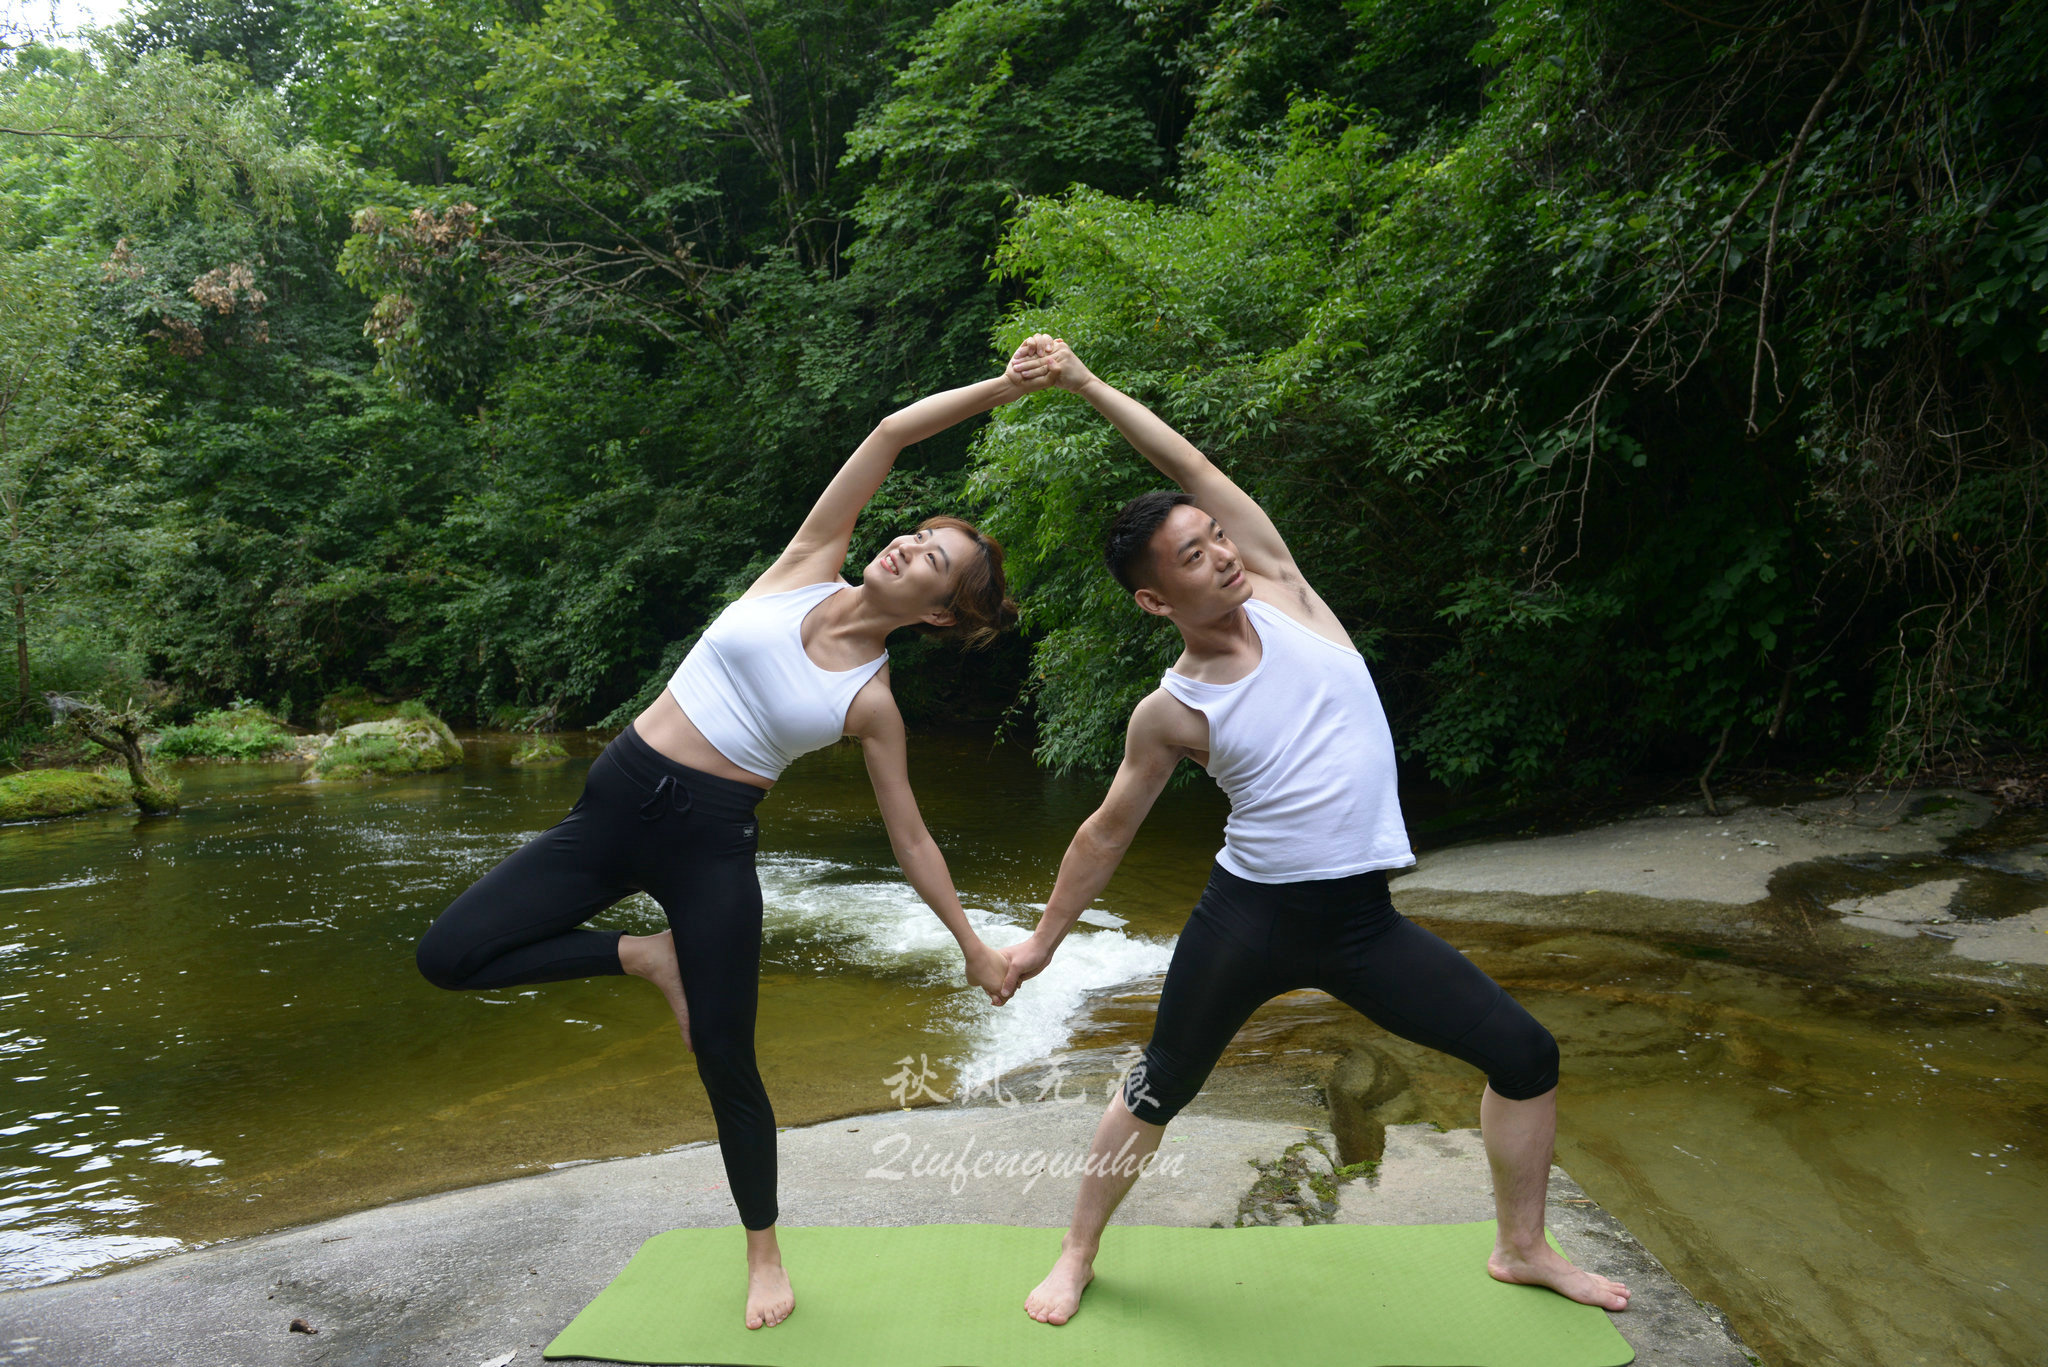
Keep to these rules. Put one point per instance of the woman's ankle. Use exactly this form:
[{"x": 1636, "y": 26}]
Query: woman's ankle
[{"x": 762, "y": 1247}]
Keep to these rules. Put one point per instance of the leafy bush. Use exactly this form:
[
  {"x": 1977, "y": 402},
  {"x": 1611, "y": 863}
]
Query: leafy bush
[{"x": 236, "y": 733}]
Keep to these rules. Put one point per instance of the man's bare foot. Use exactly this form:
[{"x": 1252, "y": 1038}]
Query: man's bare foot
[
  {"x": 1057, "y": 1297},
  {"x": 1545, "y": 1266},
  {"x": 769, "y": 1299},
  {"x": 653, "y": 957}
]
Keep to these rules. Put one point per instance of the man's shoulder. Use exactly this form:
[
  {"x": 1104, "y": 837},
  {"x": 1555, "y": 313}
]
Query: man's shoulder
[{"x": 1164, "y": 719}]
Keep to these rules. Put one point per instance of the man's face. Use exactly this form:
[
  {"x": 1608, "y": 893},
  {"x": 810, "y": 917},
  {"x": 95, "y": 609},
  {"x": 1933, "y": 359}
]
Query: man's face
[{"x": 1196, "y": 573}]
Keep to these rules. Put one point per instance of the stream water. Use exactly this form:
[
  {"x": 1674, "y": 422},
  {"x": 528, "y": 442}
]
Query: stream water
[{"x": 210, "y": 1026}]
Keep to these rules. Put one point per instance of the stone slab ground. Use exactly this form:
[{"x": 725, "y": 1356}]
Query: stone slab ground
[{"x": 463, "y": 1278}]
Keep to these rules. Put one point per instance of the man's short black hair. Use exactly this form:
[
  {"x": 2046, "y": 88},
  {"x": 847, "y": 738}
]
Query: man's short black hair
[{"x": 1127, "y": 550}]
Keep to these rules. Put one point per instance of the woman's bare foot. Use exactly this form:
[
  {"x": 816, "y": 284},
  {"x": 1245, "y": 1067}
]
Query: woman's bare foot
[
  {"x": 769, "y": 1298},
  {"x": 1057, "y": 1297},
  {"x": 1545, "y": 1266},
  {"x": 653, "y": 957}
]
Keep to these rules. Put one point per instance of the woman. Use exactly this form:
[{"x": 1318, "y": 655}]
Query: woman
[{"x": 668, "y": 807}]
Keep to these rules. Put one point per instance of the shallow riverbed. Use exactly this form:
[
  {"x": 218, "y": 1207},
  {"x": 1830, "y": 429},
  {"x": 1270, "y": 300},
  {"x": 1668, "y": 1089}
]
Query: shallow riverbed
[{"x": 212, "y": 1027}]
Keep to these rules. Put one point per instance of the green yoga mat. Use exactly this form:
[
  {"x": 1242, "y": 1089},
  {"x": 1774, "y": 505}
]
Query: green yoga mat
[{"x": 953, "y": 1296}]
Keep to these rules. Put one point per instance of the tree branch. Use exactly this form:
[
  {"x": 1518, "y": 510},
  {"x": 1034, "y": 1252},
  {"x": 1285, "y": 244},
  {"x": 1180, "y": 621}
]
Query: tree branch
[{"x": 1763, "y": 302}]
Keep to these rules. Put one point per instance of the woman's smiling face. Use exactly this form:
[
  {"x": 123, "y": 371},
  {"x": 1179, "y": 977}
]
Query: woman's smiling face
[{"x": 917, "y": 571}]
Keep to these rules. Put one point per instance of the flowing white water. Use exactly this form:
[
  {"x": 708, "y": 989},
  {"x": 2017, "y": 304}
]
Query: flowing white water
[{"x": 884, "y": 927}]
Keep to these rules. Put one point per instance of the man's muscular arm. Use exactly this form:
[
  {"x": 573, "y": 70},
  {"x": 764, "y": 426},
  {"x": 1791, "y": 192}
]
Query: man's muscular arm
[
  {"x": 1153, "y": 744},
  {"x": 1215, "y": 493}
]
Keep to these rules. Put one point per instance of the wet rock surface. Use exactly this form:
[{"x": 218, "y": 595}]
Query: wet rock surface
[
  {"x": 1926, "y": 886},
  {"x": 2016, "y": 940},
  {"x": 1727, "y": 859}
]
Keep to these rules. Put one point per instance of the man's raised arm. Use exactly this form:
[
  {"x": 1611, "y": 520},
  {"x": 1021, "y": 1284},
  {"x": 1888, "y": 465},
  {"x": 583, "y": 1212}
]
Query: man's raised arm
[
  {"x": 1151, "y": 749},
  {"x": 1174, "y": 456}
]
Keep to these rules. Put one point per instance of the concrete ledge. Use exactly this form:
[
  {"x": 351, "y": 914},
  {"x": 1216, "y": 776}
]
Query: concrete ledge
[{"x": 463, "y": 1278}]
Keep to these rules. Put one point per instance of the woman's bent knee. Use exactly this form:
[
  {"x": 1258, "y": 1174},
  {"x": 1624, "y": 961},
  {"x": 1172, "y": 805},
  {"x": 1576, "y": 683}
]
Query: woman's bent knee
[{"x": 440, "y": 960}]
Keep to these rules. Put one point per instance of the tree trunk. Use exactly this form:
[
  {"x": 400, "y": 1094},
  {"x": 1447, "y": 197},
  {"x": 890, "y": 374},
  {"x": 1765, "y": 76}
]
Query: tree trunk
[
  {"x": 122, "y": 733},
  {"x": 21, "y": 647}
]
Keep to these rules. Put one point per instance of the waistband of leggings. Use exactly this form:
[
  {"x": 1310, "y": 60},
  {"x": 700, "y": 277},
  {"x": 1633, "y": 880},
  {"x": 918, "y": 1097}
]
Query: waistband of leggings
[
  {"x": 646, "y": 767},
  {"x": 1328, "y": 896}
]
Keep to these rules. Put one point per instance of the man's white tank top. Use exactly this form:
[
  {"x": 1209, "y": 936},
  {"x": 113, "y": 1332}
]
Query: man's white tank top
[
  {"x": 750, "y": 689},
  {"x": 1301, "y": 747}
]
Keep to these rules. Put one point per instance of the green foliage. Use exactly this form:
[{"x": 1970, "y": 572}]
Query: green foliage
[
  {"x": 235, "y": 733},
  {"x": 136, "y": 133},
  {"x": 396, "y": 80},
  {"x": 1625, "y": 383},
  {"x": 348, "y": 705},
  {"x": 259, "y": 36},
  {"x": 354, "y": 704},
  {"x": 71, "y": 456},
  {"x": 1508, "y": 394}
]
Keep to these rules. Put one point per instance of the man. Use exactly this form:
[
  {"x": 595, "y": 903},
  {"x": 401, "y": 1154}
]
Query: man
[{"x": 1271, "y": 698}]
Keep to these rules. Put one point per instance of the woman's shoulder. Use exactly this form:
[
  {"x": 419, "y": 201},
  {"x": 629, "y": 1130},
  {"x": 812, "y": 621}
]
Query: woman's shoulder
[{"x": 873, "y": 705}]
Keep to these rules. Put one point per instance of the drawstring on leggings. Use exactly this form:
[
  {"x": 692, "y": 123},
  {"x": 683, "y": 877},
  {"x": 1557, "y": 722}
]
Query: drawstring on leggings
[{"x": 670, "y": 789}]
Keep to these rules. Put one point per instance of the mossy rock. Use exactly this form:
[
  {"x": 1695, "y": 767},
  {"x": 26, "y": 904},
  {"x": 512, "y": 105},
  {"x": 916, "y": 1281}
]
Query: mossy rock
[
  {"x": 238, "y": 733},
  {"x": 417, "y": 744},
  {"x": 540, "y": 750},
  {"x": 60, "y": 792},
  {"x": 346, "y": 707}
]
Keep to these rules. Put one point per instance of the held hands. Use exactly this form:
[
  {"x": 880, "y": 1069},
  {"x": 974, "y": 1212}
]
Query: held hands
[
  {"x": 1026, "y": 959},
  {"x": 987, "y": 969},
  {"x": 1029, "y": 369},
  {"x": 1067, "y": 371},
  {"x": 1000, "y": 972},
  {"x": 1041, "y": 361}
]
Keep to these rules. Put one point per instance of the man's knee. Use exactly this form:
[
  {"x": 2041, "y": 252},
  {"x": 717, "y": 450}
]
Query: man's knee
[
  {"x": 1155, "y": 1091},
  {"x": 1525, "y": 1061}
]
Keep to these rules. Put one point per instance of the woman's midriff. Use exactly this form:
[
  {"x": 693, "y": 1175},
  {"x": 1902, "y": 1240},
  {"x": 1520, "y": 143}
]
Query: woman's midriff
[{"x": 667, "y": 728}]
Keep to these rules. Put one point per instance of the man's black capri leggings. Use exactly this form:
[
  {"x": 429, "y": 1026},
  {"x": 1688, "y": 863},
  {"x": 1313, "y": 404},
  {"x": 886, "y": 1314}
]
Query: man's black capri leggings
[{"x": 1247, "y": 943}]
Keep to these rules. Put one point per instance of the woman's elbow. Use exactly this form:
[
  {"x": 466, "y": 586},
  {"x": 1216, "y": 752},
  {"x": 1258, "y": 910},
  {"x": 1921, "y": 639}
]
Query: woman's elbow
[{"x": 914, "y": 847}]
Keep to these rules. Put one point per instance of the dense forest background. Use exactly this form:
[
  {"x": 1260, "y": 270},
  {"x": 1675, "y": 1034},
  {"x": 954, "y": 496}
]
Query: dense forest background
[{"x": 1642, "y": 381}]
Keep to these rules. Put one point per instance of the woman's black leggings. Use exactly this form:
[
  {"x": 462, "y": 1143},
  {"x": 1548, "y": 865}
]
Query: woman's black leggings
[
  {"x": 1247, "y": 943},
  {"x": 643, "y": 824}
]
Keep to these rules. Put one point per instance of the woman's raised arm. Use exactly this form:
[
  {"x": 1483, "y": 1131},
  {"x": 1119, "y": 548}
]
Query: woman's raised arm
[{"x": 818, "y": 549}]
